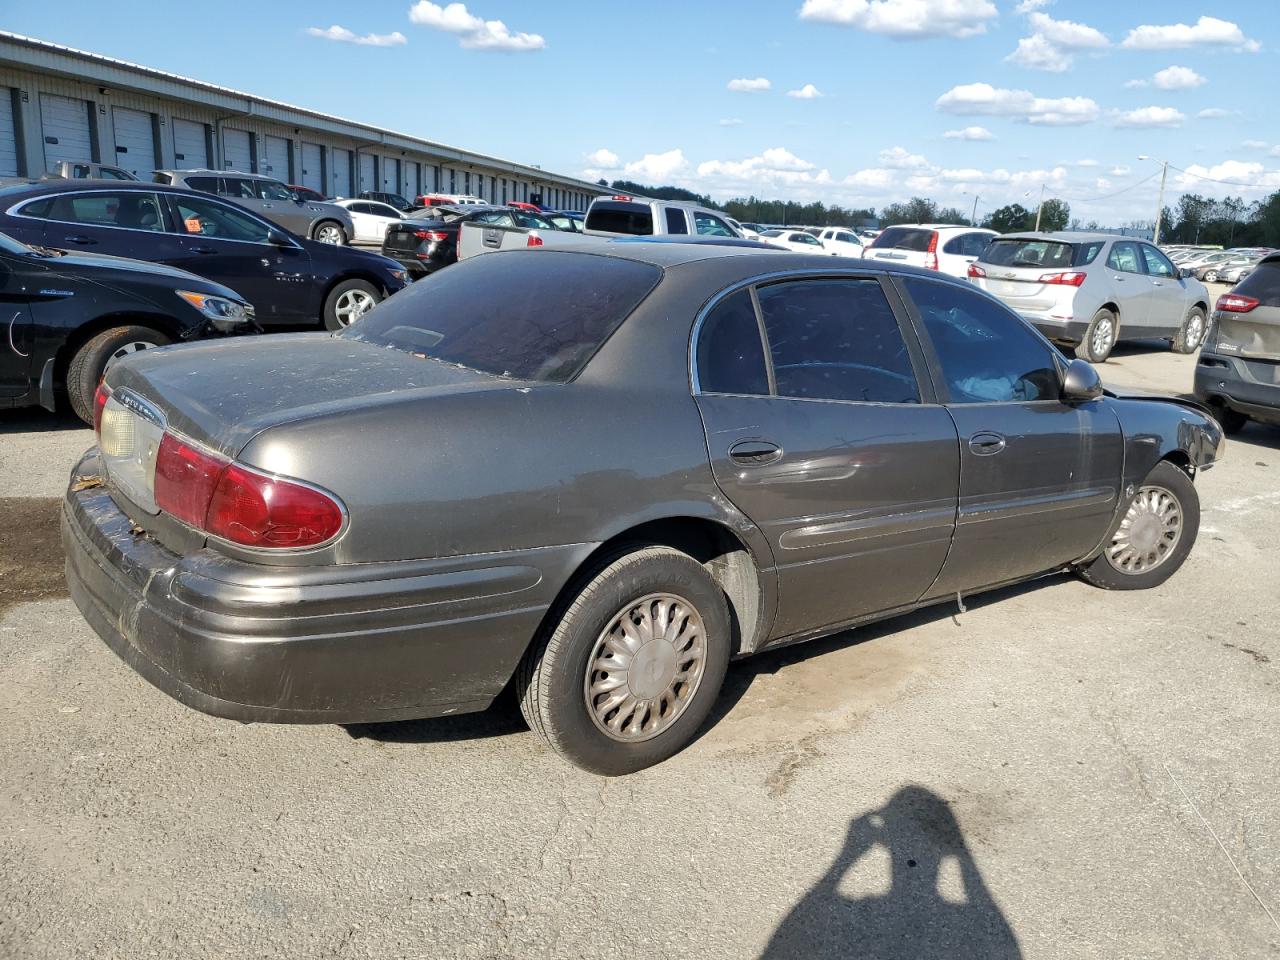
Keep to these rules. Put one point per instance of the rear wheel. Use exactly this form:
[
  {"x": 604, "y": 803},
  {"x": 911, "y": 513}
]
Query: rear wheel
[
  {"x": 327, "y": 231},
  {"x": 348, "y": 302},
  {"x": 1211, "y": 276},
  {"x": 91, "y": 362},
  {"x": 1232, "y": 421},
  {"x": 1192, "y": 333},
  {"x": 632, "y": 668},
  {"x": 1153, "y": 537},
  {"x": 1100, "y": 337}
]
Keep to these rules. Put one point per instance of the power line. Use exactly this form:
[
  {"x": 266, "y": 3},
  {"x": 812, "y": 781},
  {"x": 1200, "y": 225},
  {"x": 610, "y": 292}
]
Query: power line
[
  {"x": 1110, "y": 195},
  {"x": 1229, "y": 183}
]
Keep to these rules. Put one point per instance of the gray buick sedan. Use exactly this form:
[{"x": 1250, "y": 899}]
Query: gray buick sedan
[{"x": 599, "y": 476}]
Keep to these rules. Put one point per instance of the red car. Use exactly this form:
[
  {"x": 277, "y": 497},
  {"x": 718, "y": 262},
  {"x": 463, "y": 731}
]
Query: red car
[{"x": 306, "y": 193}]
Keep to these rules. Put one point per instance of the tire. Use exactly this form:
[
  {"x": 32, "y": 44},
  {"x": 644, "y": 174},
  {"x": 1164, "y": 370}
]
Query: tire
[
  {"x": 1164, "y": 482},
  {"x": 1191, "y": 335},
  {"x": 1096, "y": 346},
  {"x": 553, "y": 678},
  {"x": 343, "y": 305},
  {"x": 331, "y": 232},
  {"x": 90, "y": 362},
  {"x": 1211, "y": 276},
  {"x": 1231, "y": 421}
]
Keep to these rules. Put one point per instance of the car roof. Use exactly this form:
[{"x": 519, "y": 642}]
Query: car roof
[
  {"x": 1067, "y": 236},
  {"x": 205, "y": 171},
  {"x": 936, "y": 226},
  {"x": 21, "y": 191}
]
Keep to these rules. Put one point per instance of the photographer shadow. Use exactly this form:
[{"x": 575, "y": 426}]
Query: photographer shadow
[{"x": 937, "y": 905}]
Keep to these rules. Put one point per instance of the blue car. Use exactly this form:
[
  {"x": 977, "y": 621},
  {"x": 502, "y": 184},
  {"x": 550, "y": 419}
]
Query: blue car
[{"x": 291, "y": 282}]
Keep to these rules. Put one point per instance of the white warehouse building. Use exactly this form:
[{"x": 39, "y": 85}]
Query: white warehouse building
[{"x": 58, "y": 103}]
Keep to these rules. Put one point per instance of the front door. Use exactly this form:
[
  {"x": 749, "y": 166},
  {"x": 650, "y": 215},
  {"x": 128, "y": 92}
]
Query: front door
[
  {"x": 1129, "y": 286},
  {"x": 15, "y": 329},
  {"x": 824, "y": 438},
  {"x": 1039, "y": 478},
  {"x": 1168, "y": 291}
]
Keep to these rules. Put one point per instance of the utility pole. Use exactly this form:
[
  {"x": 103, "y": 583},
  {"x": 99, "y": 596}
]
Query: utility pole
[
  {"x": 973, "y": 218},
  {"x": 1040, "y": 208},
  {"x": 1164, "y": 172}
]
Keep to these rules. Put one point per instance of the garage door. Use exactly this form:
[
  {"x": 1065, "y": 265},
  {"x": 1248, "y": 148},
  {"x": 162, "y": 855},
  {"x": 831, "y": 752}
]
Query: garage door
[
  {"x": 64, "y": 125},
  {"x": 340, "y": 161},
  {"x": 8, "y": 138},
  {"x": 135, "y": 142},
  {"x": 367, "y": 179},
  {"x": 237, "y": 154},
  {"x": 277, "y": 153},
  {"x": 312, "y": 166},
  {"x": 190, "y": 144}
]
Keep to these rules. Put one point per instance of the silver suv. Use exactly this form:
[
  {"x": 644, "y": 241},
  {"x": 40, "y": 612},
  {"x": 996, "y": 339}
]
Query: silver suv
[
  {"x": 1092, "y": 290},
  {"x": 268, "y": 198}
]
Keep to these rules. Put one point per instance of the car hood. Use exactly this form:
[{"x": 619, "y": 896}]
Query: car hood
[
  {"x": 74, "y": 261},
  {"x": 222, "y": 393}
]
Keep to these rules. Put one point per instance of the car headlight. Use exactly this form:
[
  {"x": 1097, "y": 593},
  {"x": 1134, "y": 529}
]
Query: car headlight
[
  {"x": 400, "y": 275},
  {"x": 225, "y": 313}
]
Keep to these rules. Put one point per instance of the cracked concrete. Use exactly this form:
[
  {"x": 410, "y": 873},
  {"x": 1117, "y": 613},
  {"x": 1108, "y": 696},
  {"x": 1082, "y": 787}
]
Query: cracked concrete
[{"x": 1040, "y": 722}]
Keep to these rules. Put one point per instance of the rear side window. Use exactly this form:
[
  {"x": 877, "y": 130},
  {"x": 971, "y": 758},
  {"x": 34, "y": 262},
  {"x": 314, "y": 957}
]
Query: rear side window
[
  {"x": 904, "y": 238},
  {"x": 1029, "y": 253},
  {"x": 730, "y": 353},
  {"x": 836, "y": 340},
  {"x": 633, "y": 219},
  {"x": 131, "y": 210},
  {"x": 987, "y": 354},
  {"x": 207, "y": 184},
  {"x": 676, "y": 222},
  {"x": 1263, "y": 284},
  {"x": 239, "y": 188},
  {"x": 529, "y": 316}
]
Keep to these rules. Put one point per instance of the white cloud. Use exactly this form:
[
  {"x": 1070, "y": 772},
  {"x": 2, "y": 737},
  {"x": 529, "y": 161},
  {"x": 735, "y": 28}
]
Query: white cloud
[
  {"x": 1254, "y": 144},
  {"x": 343, "y": 35},
  {"x": 474, "y": 33},
  {"x": 1275, "y": 151},
  {"x": 1215, "y": 113},
  {"x": 604, "y": 159},
  {"x": 874, "y": 177},
  {"x": 1120, "y": 171},
  {"x": 776, "y": 168},
  {"x": 1067, "y": 33},
  {"x": 899, "y": 158},
  {"x": 657, "y": 166},
  {"x": 1037, "y": 53},
  {"x": 749, "y": 85},
  {"x": 1087, "y": 163},
  {"x": 731, "y": 121},
  {"x": 1206, "y": 32},
  {"x": 1148, "y": 117},
  {"x": 905, "y": 19},
  {"x": 982, "y": 99},
  {"x": 1026, "y": 6},
  {"x": 969, "y": 133},
  {"x": 807, "y": 92},
  {"x": 1242, "y": 177},
  {"x": 1177, "y": 78}
]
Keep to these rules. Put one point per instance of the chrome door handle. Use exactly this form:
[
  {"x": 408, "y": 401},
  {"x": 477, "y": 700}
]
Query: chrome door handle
[
  {"x": 986, "y": 444},
  {"x": 754, "y": 453},
  {"x": 81, "y": 240}
]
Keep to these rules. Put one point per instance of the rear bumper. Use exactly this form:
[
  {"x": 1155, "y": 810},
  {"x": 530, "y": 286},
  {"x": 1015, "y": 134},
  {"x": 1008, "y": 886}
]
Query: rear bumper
[
  {"x": 1237, "y": 384},
  {"x": 341, "y": 643},
  {"x": 417, "y": 267}
]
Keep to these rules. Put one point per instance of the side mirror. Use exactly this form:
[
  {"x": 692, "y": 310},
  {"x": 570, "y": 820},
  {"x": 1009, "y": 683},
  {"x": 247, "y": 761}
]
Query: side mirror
[
  {"x": 1081, "y": 382},
  {"x": 278, "y": 238}
]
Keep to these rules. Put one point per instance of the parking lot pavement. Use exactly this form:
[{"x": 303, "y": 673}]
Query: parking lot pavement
[{"x": 1057, "y": 772}]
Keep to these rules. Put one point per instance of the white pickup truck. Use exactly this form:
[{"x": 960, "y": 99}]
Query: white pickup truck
[{"x": 616, "y": 216}]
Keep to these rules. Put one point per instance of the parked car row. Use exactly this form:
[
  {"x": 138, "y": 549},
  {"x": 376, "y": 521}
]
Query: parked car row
[{"x": 1214, "y": 265}]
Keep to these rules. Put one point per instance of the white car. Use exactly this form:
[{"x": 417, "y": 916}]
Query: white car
[
  {"x": 935, "y": 246},
  {"x": 370, "y": 219},
  {"x": 796, "y": 240},
  {"x": 743, "y": 231},
  {"x": 841, "y": 241}
]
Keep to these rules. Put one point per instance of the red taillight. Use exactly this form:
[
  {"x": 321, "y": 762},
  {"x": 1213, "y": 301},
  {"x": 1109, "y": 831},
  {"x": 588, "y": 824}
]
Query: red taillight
[
  {"x": 976, "y": 271},
  {"x": 1237, "y": 303},
  {"x": 533, "y": 241},
  {"x": 257, "y": 510},
  {"x": 100, "y": 397},
  {"x": 1071, "y": 278},
  {"x": 620, "y": 196},
  {"x": 185, "y": 479},
  {"x": 931, "y": 255},
  {"x": 434, "y": 235}
]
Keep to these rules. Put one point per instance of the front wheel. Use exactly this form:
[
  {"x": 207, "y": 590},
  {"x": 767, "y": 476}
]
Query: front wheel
[
  {"x": 632, "y": 668},
  {"x": 1192, "y": 333},
  {"x": 1099, "y": 338},
  {"x": 1154, "y": 536},
  {"x": 1211, "y": 276},
  {"x": 91, "y": 362},
  {"x": 348, "y": 302},
  {"x": 329, "y": 232}
]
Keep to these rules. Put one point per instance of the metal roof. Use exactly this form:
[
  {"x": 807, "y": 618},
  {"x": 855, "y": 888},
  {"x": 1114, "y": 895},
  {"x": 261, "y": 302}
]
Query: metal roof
[{"x": 34, "y": 54}]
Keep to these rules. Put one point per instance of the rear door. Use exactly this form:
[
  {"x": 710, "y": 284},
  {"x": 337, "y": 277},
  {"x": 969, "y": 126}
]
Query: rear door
[
  {"x": 1128, "y": 286},
  {"x": 1039, "y": 478},
  {"x": 828, "y": 440},
  {"x": 1169, "y": 295}
]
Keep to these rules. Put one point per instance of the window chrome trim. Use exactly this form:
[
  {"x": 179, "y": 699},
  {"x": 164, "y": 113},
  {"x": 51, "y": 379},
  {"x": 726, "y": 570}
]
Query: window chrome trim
[{"x": 15, "y": 211}]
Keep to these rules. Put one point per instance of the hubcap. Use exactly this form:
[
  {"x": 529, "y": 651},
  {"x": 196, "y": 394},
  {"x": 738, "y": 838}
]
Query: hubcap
[
  {"x": 1148, "y": 533},
  {"x": 1195, "y": 330},
  {"x": 1103, "y": 333},
  {"x": 329, "y": 234},
  {"x": 352, "y": 305},
  {"x": 126, "y": 350},
  {"x": 645, "y": 667}
]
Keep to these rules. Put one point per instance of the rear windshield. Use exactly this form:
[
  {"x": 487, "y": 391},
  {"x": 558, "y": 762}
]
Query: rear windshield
[
  {"x": 612, "y": 216},
  {"x": 904, "y": 238},
  {"x": 1263, "y": 284},
  {"x": 1040, "y": 253},
  {"x": 529, "y": 316}
]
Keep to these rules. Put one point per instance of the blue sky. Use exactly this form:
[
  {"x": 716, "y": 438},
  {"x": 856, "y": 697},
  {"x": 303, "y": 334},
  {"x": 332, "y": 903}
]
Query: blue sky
[{"x": 941, "y": 98}]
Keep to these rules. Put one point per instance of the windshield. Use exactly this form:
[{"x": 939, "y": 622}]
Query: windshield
[{"x": 528, "y": 316}]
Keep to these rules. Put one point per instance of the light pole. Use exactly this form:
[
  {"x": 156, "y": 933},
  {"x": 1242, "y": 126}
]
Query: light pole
[
  {"x": 1164, "y": 172},
  {"x": 973, "y": 218},
  {"x": 1040, "y": 208}
]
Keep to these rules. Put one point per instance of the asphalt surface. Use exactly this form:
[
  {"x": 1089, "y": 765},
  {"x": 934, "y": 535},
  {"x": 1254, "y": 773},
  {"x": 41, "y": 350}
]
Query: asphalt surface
[{"x": 1057, "y": 772}]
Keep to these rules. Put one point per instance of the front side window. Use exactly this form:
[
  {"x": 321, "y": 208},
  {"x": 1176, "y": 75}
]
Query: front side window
[
  {"x": 836, "y": 340},
  {"x": 987, "y": 354},
  {"x": 730, "y": 354},
  {"x": 1124, "y": 257},
  {"x": 111, "y": 173},
  {"x": 708, "y": 226},
  {"x": 1158, "y": 264},
  {"x": 131, "y": 210},
  {"x": 273, "y": 190},
  {"x": 208, "y": 218}
]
